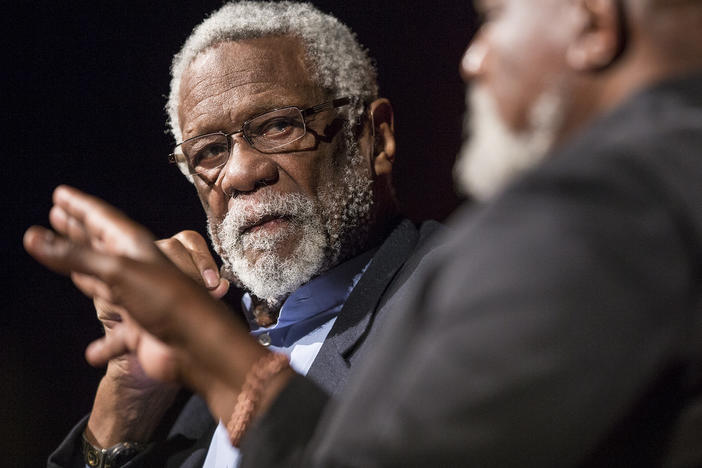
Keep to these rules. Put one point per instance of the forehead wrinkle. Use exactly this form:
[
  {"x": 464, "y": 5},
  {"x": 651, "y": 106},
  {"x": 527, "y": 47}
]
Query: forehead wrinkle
[
  {"x": 220, "y": 91},
  {"x": 260, "y": 96},
  {"x": 267, "y": 97},
  {"x": 231, "y": 82},
  {"x": 254, "y": 64},
  {"x": 207, "y": 85}
]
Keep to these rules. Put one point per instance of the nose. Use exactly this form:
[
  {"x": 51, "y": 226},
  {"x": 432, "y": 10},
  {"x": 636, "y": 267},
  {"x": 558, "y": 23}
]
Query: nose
[
  {"x": 473, "y": 59},
  {"x": 246, "y": 169}
]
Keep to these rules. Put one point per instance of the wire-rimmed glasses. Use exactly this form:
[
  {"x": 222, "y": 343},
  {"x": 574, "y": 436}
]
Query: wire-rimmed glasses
[{"x": 273, "y": 131}]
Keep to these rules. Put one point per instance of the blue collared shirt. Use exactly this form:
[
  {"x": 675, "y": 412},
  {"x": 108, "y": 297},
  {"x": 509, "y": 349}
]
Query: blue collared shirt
[{"x": 305, "y": 319}]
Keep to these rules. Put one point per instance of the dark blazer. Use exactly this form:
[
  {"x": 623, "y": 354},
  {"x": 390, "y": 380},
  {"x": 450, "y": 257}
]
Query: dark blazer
[
  {"x": 393, "y": 264},
  {"x": 559, "y": 326}
]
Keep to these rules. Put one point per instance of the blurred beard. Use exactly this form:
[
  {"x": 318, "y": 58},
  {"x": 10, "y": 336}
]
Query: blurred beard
[
  {"x": 493, "y": 155},
  {"x": 330, "y": 228}
]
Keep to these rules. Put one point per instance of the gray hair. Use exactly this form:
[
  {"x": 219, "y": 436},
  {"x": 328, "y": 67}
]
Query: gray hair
[{"x": 335, "y": 59}]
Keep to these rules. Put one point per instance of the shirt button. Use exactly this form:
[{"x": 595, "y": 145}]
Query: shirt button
[{"x": 264, "y": 339}]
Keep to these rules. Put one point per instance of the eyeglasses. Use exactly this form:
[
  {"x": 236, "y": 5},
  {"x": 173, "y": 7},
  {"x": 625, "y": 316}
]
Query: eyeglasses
[{"x": 271, "y": 132}]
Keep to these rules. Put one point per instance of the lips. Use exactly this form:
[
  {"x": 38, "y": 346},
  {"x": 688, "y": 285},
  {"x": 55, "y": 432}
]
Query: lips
[{"x": 264, "y": 223}]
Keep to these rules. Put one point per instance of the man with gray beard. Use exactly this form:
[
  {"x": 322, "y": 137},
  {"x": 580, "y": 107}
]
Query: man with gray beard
[{"x": 278, "y": 124}]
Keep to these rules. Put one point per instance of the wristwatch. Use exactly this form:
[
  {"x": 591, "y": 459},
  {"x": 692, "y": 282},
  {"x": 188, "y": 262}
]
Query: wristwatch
[{"x": 110, "y": 457}]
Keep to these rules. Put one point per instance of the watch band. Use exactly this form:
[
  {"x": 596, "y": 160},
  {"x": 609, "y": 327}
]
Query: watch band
[{"x": 110, "y": 457}]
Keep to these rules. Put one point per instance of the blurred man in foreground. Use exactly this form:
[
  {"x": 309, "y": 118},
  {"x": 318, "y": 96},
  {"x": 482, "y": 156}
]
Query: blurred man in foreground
[{"x": 558, "y": 326}]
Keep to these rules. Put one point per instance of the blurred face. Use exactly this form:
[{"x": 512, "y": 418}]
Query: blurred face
[
  {"x": 279, "y": 219},
  {"x": 516, "y": 66}
]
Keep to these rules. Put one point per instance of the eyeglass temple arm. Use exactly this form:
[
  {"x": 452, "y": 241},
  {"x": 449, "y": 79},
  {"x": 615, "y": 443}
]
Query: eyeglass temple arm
[{"x": 327, "y": 105}]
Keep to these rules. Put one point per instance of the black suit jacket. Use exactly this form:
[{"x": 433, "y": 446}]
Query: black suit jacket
[
  {"x": 561, "y": 325},
  {"x": 189, "y": 438}
]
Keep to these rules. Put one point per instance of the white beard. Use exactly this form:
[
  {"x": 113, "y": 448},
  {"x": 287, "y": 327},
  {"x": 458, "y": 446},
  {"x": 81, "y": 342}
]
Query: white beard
[
  {"x": 493, "y": 155},
  {"x": 330, "y": 228},
  {"x": 271, "y": 275}
]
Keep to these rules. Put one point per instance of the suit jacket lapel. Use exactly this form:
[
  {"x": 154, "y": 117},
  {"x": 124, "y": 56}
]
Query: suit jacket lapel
[{"x": 331, "y": 366}]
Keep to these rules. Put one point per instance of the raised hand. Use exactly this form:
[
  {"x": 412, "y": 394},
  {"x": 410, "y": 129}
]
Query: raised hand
[
  {"x": 189, "y": 252},
  {"x": 114, "y": 260}
]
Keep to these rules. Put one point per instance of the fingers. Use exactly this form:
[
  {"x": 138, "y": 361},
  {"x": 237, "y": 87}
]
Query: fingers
[
  {"x": 67, "y": 225},
  {"x": 190, "y": 253},
  {"x": 92, "y": 287},
  {"x": 157, "y": 360},
  {"x": 109, "y": 314},
  {"x": 201, "y": 256},
  {"x": 221, "y": 290},
  {"x": 64, "y": 256},
  {"x": 159, "y": 298},
  {"x": 179, "y": 255},
  {"x": 82, "y": 217},
  {"x": 124, "y": 337},
  {"x": 154, "y": 293},
  {"x": 100, "y": 351}
]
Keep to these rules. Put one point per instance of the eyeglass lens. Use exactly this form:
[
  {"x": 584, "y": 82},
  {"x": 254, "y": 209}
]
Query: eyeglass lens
[{"x": 271, "y": 131}]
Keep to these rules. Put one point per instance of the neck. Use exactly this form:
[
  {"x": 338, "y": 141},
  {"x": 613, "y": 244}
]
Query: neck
[{"x": 657, "y": 49}]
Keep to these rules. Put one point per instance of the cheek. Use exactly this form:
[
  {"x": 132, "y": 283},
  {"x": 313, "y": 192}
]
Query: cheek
[
  {"x": 522, "y": 60},
  {"x": 310, "y": 172},
  {"x": 511, "y": 77},
  {"x": 213, "y": 201}
]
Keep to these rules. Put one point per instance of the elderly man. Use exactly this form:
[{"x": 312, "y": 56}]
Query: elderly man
[
  {"x": 276, "y": 113},
  {"x": 559, "y": 325}
]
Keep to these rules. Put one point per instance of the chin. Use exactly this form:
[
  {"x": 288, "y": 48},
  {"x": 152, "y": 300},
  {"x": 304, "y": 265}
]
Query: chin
[
  {"x": 278, "y": 271},
  {"x": 282, "y": 250}
]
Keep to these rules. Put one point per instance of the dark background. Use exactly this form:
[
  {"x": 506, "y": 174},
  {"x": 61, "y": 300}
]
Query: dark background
[{"x": 84, "y": 86}]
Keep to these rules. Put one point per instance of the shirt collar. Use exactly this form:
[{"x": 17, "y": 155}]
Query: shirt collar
[{"x": 313, "y": 303}]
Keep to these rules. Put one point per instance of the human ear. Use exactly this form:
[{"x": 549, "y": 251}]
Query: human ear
[
  {"x": 600, "y": 39},
  {"x": 382, "y": 122}
]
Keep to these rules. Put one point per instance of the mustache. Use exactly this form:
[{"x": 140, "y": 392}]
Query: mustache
[{"x": 247, "y": 212}]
